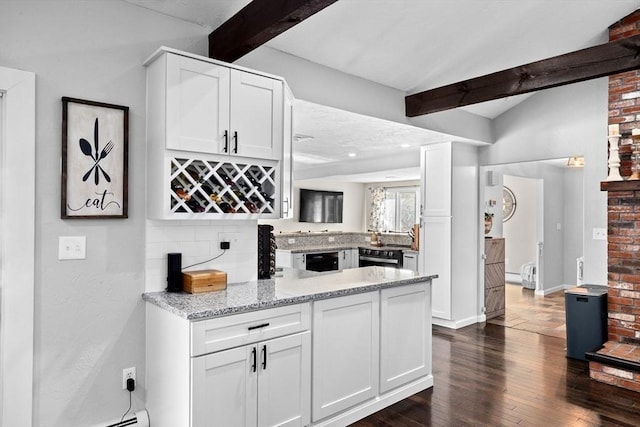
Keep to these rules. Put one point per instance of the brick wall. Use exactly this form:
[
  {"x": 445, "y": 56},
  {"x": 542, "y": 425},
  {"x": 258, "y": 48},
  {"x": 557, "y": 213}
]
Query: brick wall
[
  {"x": 623, "y": 209},
  {"x": 624, "y": 265}
]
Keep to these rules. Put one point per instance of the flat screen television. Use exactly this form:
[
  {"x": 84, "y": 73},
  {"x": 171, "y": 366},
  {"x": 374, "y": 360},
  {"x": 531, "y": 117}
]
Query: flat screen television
[{"x": 320, "y": 206}]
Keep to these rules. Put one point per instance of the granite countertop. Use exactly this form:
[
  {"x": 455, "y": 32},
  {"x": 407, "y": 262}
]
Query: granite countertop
[
  {"x": 290, "y": 286},
  {"x": 341, "y": 246}
]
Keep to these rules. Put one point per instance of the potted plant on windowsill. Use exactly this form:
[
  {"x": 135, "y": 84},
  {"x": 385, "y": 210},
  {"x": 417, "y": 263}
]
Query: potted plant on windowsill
[{"x": 488, "y": 222}]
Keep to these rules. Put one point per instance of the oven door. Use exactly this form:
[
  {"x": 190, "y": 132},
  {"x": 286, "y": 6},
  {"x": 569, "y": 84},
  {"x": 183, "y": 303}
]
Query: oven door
[{"x": 367, "y": 261}]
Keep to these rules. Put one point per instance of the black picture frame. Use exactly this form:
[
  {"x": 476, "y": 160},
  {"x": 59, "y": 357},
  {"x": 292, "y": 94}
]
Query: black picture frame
[{"x": 95, "y": 157}]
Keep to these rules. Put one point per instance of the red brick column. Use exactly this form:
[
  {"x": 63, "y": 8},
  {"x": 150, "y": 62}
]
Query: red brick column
[{"x": 623, "y": 253}]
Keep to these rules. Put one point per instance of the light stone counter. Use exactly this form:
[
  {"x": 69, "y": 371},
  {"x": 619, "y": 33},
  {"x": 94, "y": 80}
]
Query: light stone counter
[{"x": 290, "y": 286}]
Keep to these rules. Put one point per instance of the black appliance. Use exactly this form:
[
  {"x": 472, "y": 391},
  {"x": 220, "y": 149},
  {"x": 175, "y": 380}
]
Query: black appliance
[
  {"x": 320, "y": 206},
  {"x": 380, "y": 257},
  {"x": 174, "y": 272},
  {"x": 325, "y": 261},
  {"x": 586, "y": 319},
  {"x": 266, "y": 251}
]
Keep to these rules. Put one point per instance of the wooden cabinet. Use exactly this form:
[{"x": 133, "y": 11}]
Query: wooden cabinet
[
  {"x": 211, "y": 108},
  {"x": 494, "y": 277},
  {"x": 410, "y": 261},
  {"x": 405, "y": 329},
  {"x": 345, "y": 353},
  {"x": 215, "y": 140}
]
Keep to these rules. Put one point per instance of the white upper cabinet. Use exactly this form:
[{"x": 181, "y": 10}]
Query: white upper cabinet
[
  {"x": 436, "y": 179},
  {"x": 256, "y": 126},
  {"x": 197, "y": 105},
  {"x": 216, "y": 109}
]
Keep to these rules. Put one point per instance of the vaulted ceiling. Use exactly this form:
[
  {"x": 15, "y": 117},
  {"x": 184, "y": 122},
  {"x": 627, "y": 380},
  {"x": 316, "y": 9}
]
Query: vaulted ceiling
[{"x": 415, "y": 45}]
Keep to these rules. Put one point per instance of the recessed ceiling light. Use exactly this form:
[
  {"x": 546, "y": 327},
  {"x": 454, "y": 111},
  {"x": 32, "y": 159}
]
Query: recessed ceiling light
[
  {"x": 405, "y": 145},
  {"x": 352, "y": 154}
]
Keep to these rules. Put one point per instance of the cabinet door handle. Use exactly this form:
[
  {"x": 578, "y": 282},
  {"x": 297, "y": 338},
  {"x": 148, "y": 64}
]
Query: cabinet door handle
[
  {"x": 285, "y": 206},
  {"x": 263, "y": 325},
  {"x": 264, "y": 357},
  {"x": 254, "y": 358},
  {"x": 226, "y": 141},
  {"x": 235, "y": 145}
]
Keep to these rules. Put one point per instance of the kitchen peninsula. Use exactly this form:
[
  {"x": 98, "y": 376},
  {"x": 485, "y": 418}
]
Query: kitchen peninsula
[{"x": 303, "y": 348}]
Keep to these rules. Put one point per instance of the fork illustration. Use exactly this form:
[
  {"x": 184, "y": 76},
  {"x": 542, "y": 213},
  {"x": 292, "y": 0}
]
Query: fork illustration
[{"x": 104, "y": 153}]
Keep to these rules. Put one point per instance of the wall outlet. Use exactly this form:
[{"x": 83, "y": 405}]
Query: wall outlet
[
  {"x": 332, "y": 239},
  {"x": 291, "y": 241},
  {"x": 126, "y": 374}
]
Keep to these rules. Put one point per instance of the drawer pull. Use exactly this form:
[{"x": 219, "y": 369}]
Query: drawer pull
[
  {"x": 226, "y": 141},
  {"x": 254, "y": 358},
  {"x": 263, "y": 325}
]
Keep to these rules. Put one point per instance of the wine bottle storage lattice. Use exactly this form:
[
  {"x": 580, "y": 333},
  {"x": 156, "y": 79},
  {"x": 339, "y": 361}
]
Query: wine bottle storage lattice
[{"x": 202, "y": 186}]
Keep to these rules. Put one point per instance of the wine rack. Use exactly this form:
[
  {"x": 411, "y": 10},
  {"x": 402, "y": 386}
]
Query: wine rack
[{"x": 217, "y": 187}]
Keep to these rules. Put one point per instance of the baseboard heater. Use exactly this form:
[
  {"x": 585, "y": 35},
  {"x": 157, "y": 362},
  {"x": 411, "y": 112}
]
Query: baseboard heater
[{"x": 139, "y": 419}]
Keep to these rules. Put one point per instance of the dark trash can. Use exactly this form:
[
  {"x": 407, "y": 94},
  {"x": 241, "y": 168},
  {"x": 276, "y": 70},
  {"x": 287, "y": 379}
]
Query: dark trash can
[{"x": 586, "y": 319}]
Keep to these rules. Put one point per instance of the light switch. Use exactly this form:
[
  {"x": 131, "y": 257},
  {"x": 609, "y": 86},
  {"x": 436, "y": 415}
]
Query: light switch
[
  {"x": 599, "y": 234},
  {"x": 72, "y": 247}
]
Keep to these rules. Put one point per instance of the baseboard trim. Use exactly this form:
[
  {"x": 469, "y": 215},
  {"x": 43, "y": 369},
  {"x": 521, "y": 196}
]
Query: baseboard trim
[
  {"x": 544, "y": 292},
  {"x": 376, "y": 404},
  {"x": 457, "y": 324}
]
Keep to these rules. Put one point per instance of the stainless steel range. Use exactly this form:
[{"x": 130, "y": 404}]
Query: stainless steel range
[{"x": 380, "y": 256}]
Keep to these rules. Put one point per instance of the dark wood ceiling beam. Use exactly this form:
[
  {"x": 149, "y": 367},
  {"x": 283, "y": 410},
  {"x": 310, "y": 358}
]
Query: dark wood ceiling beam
[
  {"x": 598, "y": 61},
  {"x": 257, "y": 23}
]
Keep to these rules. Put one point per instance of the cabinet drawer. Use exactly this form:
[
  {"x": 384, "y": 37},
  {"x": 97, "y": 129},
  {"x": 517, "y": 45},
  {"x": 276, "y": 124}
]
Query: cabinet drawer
[
  {"x": 494, "y": 276},
  {"x": 231, "y": 331}
]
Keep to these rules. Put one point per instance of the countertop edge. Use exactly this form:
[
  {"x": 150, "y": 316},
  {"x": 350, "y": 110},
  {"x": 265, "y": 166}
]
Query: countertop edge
[{"x": 159, "y": 299}]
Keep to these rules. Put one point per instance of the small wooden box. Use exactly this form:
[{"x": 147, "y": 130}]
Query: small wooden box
[{"x": 195, "y": 282}]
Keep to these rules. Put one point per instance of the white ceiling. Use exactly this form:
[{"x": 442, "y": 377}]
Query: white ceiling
[{"x": 414, "y": 45}]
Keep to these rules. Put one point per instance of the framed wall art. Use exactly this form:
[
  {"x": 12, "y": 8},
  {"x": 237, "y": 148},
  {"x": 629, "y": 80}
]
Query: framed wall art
[{"x": 94, "y": 159}]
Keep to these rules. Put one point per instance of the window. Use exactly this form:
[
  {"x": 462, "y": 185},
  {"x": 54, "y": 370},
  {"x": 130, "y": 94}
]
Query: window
[{"x": 401, "y": 210}]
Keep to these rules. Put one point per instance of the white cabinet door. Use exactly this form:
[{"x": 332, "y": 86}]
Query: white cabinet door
[
  {"x": 410, "y": 261},
  {"x": 344, "y": 259},
  {"x": 436, "y": 178},
  {"x": 284, "y": 381},
  {"x": 299, "y": 261},
  {"x": 197, "y": 105},
  {"x": 405, "y": 335},
  {"x": 345, "y": 352},
  {"x": 256, "y": 116},
  {"x": 436, "y": 257},
  {"x": 224, "y": 388}
]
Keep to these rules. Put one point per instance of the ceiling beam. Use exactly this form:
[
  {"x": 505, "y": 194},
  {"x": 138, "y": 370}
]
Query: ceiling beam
[
  {"x": 598, "y": 61},
  {"x": 257, "y": 23}
]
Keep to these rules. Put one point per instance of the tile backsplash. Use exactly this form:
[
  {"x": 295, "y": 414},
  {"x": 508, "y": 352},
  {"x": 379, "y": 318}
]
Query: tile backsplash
[
  {"x": 200, "y": 241},
  {"x": 304, "y": 239}
]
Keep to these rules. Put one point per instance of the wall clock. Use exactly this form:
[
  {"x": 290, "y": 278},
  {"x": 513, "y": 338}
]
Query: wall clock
[{"x": 508, "y": 204}]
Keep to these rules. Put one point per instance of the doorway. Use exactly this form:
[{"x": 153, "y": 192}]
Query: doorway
[
  {"x": 544, "y": 228},
  {"x": 17, "y": 246}
]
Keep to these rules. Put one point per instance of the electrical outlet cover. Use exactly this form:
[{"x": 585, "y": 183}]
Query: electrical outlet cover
[{"x": 126, "y": 374}]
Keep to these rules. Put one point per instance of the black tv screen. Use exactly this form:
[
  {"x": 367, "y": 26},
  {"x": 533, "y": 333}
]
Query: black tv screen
[{"x": 320, "y": 206}]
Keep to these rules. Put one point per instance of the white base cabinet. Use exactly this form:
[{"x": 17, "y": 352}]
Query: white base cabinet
[
  {"x": 263, "y": 384},
  {"x": 345, "y": 352},
  {"x": 275, "y": 367}
]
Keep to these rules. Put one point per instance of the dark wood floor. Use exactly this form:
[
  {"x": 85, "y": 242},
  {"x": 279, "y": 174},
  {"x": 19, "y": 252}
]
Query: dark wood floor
[{"x": 491, "y": 375}]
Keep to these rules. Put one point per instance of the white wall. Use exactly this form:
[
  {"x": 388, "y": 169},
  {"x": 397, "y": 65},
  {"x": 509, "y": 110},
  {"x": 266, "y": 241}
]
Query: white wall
[
  {"x": 352, "y": 210},
  {"x": 573, "y": 223},
  {"x": 563, "y": 122},
  {"x": 520, "y": 230},
  {"x": 89, "y": 317}
]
